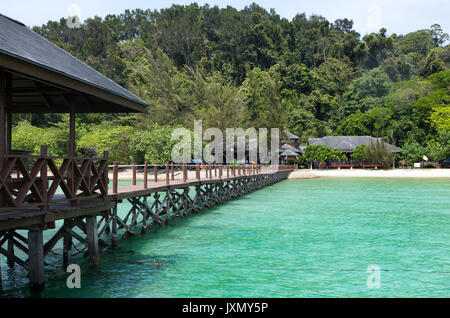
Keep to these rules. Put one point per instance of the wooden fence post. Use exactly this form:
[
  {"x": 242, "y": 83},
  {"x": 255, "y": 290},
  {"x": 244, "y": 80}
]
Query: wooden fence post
[
  {"x": 184, "y": 172},
  {"x": 105, "y": 171},
  {"x": 210, "y": 171},
  {"x": 220, "y": 171},
  {"x": 173, "y": 172},
  {"x": 197, "y": 171},
  {"x": 134, "y": 173},
  {"x": 167, "y": 172},
  {"x": 145, "y": 175},
  {"x": 44, "y": 179},
  {"x": 155, "y": 172},
  {"x": 115, "y": 175}
]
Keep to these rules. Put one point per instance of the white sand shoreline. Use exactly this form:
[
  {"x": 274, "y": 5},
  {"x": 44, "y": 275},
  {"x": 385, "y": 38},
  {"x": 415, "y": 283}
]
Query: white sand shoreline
[
  {"x": 127, "y": 175},
  {"x": 370, "y": 173}
]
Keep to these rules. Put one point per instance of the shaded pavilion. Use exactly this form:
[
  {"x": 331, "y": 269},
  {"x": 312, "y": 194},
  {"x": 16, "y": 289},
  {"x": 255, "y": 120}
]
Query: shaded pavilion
[{"x": 37, "y": 76}]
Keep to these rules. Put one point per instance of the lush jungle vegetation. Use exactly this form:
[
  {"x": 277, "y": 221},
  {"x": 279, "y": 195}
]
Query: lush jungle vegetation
[{"x": 252, "y": 68}]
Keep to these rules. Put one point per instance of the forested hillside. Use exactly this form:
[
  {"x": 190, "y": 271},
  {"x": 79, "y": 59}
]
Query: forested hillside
[{"x": 252, "y": 68}]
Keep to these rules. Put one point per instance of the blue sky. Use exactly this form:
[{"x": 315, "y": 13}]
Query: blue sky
[{"x": 399, "y": 16}]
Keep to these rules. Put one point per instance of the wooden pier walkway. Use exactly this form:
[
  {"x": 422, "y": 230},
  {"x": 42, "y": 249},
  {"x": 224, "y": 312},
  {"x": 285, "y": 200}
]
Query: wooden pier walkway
[{"x": 88, "y": 207}]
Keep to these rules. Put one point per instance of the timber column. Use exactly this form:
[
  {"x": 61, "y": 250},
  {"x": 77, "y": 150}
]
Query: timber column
[
  {"x": 36, "y": 259},
  {"x": 92, "y": 239},
  {"x": 3, "y": 98}
]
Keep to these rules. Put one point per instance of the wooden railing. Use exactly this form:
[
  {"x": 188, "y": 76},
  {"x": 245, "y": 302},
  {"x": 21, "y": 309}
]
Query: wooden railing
[
  {"x": 33, "y": 181},
  {"x": 166, "y": 172},
  {"x": 27, "y": 181}
]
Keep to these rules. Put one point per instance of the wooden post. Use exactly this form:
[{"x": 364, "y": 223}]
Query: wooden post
[
  {"x": 145, "y": 175},
  {"x": 215, "y": 170},
  {"x": 173, "y": 172},
  {"x": 8, "y": 131},
  {"x": 8, "y": 106},
  {"x": 155, "y": 172},
  {"x": 184, "y": 172},
  {"x": 44, "y": 179},
  {"x": 134, "y": 173},
  {"x": 228, "y": 170},
  {"x": 144, "y": 216},
  {"x": 234, "y": 170},
  {"x": 239, "y": 169},
  {"x": 3, "y": 102},
  {"x": 210, "y": 172},
  {"x": 10, "y": 258},
  {"x": 36, "y": 258},
  {"x": 105, "y": 172},
  {"x": 92, "y": 239},
  {"x": 220, "y": 171},
  {"x": 67, "y": 242},
  {"x": 167, "y": 172},
  {"x": 244, "y": 168},
  {"x": 115, "y": 175},
  {"x": 72, "y": 131},
  {"x": 114, "y": 226},
  {"x": 197, "y": 171}
]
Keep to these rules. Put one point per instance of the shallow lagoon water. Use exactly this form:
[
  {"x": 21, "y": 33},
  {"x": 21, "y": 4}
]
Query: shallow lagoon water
[{"x": 297, "y": 238}]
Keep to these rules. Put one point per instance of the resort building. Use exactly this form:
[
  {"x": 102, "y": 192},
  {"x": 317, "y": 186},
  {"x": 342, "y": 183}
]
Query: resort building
[
  {"x": 290, "y": 150},
  {"x": 347, "y": 144}
]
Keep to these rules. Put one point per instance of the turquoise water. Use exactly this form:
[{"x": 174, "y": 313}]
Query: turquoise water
[{"x": 298, "y": 238}]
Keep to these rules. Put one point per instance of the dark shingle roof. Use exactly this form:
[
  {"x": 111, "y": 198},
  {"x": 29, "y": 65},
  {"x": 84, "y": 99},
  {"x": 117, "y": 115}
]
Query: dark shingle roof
[
  {"x": 291, "y": 135},
  {"x": 289, "y": 147},
  {"x": 348, "y": 143},
  {"x": 289, "y": 153},
  {"x": 18, "y": 41}
]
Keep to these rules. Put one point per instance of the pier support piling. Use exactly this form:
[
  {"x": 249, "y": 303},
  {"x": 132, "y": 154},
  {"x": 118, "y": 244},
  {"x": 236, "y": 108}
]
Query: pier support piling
[
  {"x": 92, "y": 240},
  {"x": 36, "y": 259},
  {"x": 10, "y": 258},
  {"x": 67, "y": 242},
  {"x": 114, "y": 227}
]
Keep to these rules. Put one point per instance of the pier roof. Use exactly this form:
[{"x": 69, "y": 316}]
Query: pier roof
[{"x": 45, "y": 78}]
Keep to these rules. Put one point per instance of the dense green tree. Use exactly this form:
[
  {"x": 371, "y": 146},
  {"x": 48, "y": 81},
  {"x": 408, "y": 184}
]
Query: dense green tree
[
  {"x": 317, "y": 154},
  {"x": 251, "y": 67},
  {"x": 359, "y": 153},
  {"x": 154, "y": 144},
  {"x": 378, "y": 152}
]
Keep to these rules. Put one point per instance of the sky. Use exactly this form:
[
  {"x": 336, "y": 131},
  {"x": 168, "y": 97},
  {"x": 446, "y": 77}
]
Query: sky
[{"x": 399, "y": 16}]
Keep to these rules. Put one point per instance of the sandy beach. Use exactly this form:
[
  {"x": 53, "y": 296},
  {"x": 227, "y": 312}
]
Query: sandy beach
[
  {"x": 126, "y": 175},
  {"x": 370, "y": 173}
]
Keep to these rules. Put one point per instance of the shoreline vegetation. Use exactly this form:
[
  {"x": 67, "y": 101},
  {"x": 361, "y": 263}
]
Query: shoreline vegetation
[
  {"x": 127, "y": 175},
  {"x": 250, "y": 68}
]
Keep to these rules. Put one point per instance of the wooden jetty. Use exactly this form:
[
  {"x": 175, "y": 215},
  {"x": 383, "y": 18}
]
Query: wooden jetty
[
  {"x": 38, "y": 77},
  {"x": 87, "y": 204}
]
